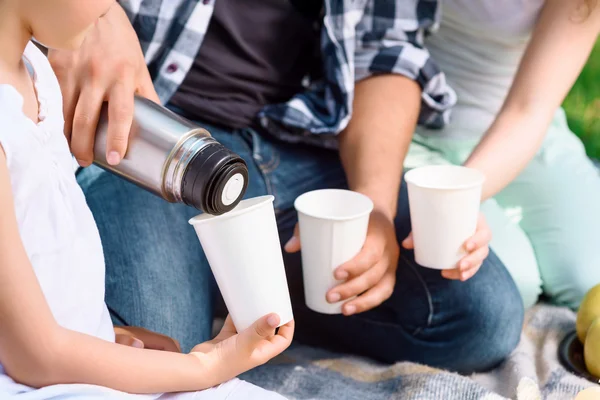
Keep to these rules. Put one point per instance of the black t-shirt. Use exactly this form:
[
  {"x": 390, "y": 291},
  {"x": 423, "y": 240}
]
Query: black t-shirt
[{"x": 254, "y": 53}]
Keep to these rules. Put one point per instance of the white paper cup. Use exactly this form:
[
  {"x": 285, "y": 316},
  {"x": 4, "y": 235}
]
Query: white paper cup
[
  {"x": 333, "y": 229},
  {"x": 244, "y": 253},
  {"x": 444, "y": 206}
]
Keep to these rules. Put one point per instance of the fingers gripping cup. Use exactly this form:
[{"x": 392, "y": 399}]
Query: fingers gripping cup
[
  {"x": 244, "y": 253},
  {"x": 444, "y": 207},
  {"x": 333, "y": 229}
]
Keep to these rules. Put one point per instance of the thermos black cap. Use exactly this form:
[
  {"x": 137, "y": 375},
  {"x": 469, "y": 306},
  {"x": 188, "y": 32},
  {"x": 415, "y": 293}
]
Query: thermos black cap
[{"x": 215, "y": 180}]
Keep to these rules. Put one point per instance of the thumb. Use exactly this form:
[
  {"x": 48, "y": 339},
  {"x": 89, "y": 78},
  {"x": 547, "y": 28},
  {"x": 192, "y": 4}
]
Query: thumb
[
  {"x": 261, "y": 330},
  {"x": 128, "y": 340},
  {"x": 408, "y": 243},
  {"x": 293, "y": 245}
]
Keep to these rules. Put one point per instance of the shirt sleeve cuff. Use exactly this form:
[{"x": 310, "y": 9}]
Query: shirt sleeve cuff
[{"x": 415, "y": 63}]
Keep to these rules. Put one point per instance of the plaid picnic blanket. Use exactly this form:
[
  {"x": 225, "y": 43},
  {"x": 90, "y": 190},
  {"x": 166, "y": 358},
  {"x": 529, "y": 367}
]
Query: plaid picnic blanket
[{"x": 532, "y": 372}]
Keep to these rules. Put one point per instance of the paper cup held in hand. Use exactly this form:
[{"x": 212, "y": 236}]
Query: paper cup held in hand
[
  {"x": 444, "y": 206},
  {"x": 244, "y": 253},
  {"x": 333, "y": 229}
]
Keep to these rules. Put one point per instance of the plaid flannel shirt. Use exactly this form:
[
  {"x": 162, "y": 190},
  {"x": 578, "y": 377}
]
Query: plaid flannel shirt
[{"x": 359, "y": 38}]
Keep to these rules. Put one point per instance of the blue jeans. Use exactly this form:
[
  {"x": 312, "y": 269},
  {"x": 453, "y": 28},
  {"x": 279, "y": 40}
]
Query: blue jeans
[{"x": 158, "y": 277}]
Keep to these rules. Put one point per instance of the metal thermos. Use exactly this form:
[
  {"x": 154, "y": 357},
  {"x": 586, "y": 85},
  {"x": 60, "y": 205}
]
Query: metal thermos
[{"x": 176, "y": 160}]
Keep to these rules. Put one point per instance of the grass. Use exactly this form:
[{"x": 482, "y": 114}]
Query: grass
[{"x": 583, "y": 105}]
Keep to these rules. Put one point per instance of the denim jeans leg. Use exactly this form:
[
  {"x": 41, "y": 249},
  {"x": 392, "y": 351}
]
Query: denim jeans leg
[
  {"x": 156, "y": 273},
  {"x": 157, "y": 276},
  {"x": 462, "y": 326}
]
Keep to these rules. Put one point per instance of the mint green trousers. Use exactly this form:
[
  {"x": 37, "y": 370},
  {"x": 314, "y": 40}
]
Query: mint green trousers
[{"x": 546, "y": 223}]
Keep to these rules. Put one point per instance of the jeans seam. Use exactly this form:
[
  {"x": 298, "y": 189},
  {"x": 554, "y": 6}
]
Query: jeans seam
[
  {"x": 268, "y": 182},
  {"x": 117, "y": 316},
  {"x": 264, "y": 168},
  {"x": 242, "y": 136},
  {"x": 273, "y": 164},
  {"x": 413, "y": 266}
]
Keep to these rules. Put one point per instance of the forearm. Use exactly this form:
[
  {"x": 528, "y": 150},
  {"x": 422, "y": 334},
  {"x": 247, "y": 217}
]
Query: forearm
[
  {"x": 560, "y": 45},
  {"x": 509, "y": 145},
  {"x": 74, "y": 357},
  {"x": 374, "y": 145},
  {"x": 36, "y": 351}
]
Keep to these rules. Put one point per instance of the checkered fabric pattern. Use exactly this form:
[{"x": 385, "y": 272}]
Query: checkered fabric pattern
[{"x": 359, "y": 38}]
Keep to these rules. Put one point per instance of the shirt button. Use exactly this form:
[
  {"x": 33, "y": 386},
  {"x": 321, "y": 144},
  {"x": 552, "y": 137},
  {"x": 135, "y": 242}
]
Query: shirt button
[{"x": 172, "y": 68}]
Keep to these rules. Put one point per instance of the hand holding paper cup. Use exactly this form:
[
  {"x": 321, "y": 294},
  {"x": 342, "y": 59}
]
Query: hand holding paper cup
[
  {"x": 444, "y": 207},
  {"x": 333, "y": 229},
  {"x": 244, "y": 253}
]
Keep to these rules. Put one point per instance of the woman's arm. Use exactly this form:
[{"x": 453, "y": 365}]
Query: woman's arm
[
  {"x": 36, "y": 351},
  {"x": 561, "y": 43}
]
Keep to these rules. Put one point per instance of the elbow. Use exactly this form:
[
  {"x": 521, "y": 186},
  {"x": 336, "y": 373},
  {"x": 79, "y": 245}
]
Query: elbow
[
  {"x": 37, "y": 365},
  {"x": 34, "y": 374}
]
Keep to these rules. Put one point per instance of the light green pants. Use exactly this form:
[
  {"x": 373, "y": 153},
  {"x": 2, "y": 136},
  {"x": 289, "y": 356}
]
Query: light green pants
[{"x": 546, "y": 223}]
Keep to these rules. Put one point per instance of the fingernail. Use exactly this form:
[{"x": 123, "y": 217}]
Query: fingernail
[
  {"x": 470, "y": 246},
  {"x": 293, "y": 242},
  {"x": 350, "y": 309},
  {"x": 464, "y": 264},
  {"x": 463, "y": 276},
  {"x": 272, "y": 321},
  {"x": 113, "y": 158},
  {"x": 334, "y": 297},
  {"x": 341, "y": 275},
  {"x": 137, "y": 343}
]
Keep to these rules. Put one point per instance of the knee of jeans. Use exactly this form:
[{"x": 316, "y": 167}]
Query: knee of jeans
[
  {"x": 504, "y": 333},
  {"x": 494, "y": 321}
]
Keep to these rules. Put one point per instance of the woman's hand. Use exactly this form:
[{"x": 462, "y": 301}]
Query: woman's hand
[
  {"x": 240, "y": 352},
  {"x": 477, "y": 248},
  {"x": 145, "y": 339}
]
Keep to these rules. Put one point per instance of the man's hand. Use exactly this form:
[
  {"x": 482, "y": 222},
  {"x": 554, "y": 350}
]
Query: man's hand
[
  {"x": 109, "y": 66},
  {"x": 372, "y": 150},
  {"x": 477, "y": 248},
  {"x": 371, "y": 275},
  {"x": 145, "y": 339}
]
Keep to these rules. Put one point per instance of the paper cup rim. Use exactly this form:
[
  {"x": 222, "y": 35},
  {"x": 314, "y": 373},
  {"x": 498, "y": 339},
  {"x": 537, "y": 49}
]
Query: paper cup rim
[
  {"x": 300, "y": 210},
  {"x": 409, "y": 177},
  {"x": 252, "y": 204}
]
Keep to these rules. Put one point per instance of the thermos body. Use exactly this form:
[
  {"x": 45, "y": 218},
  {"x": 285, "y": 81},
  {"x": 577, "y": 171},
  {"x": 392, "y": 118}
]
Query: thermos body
[{"x": 176, "y": 160}]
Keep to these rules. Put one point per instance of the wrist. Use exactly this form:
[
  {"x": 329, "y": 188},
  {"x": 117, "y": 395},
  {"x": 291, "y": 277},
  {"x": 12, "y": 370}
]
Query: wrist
[
  {"x": 207, "y": 369},
  {"x": 385, "y": 204},
  {"x": 218, "y": 366}
]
